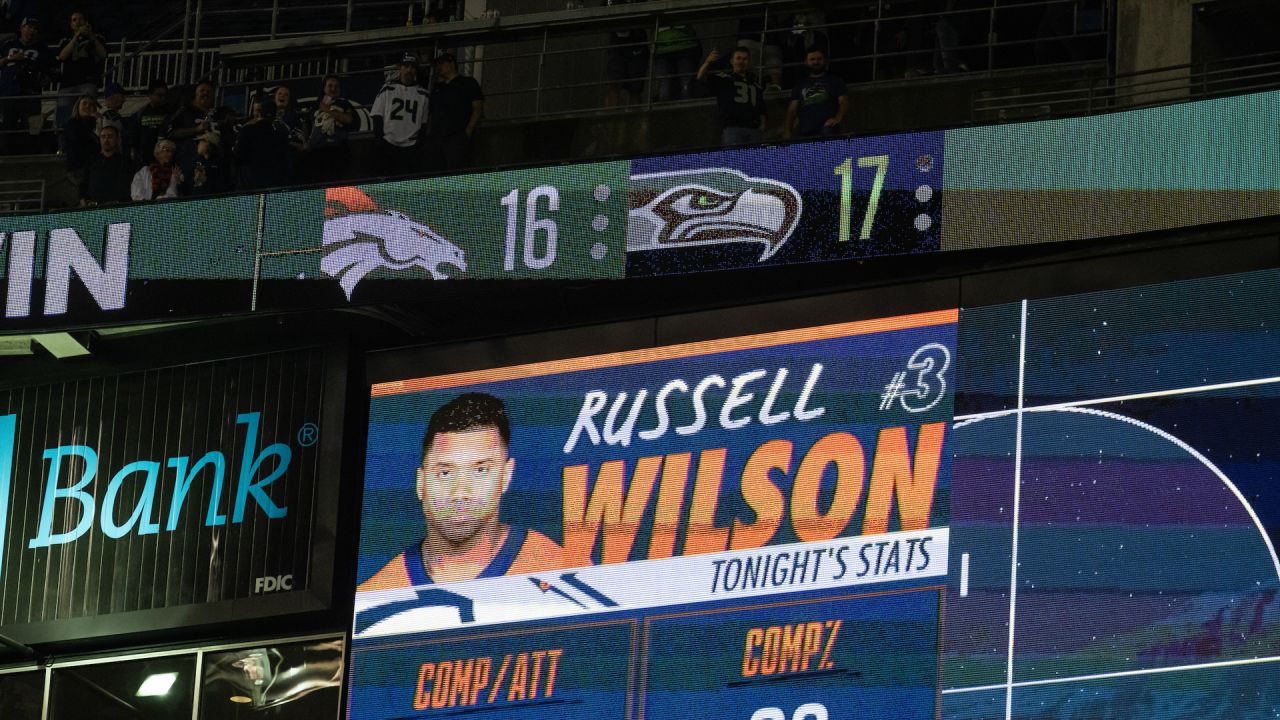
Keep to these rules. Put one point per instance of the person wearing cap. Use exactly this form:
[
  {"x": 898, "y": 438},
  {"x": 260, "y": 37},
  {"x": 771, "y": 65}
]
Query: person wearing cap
[
  {"x": 158, "y": 180},
  {"x": 399, "y": 116},
  {"x": 206, "y": 173},
  {"x": 113, "y": 99},
  {"x": 25, "y": 61},
  {"x": 457, "y": 104}
]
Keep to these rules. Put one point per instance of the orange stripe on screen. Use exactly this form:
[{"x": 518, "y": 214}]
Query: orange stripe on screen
[{"x": 669, "y": 352}]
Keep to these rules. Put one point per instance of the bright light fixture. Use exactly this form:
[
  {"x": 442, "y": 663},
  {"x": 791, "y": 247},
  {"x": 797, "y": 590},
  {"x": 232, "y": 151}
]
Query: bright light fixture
[
  {"x": 242, "y": 699},
  {"x": 157, "y": 685}
]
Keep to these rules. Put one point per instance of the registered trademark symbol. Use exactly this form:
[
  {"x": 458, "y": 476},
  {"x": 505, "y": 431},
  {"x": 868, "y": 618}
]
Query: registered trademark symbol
[{"x": 308, "y": 434}]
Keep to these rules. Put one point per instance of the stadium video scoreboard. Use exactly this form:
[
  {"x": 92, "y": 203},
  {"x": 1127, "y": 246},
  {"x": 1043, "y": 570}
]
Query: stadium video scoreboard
[
  {"x": 829, "y": 200},
  {"x": 995, "y": 512},
  {"x": 669, "y": 528}
]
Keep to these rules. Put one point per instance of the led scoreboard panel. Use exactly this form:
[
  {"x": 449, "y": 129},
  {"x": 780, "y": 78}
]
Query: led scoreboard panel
[
  {"x": 1060, "y": 508},
  {"x": 669, "y": 528},
  {"x": 913, "y": 193}
]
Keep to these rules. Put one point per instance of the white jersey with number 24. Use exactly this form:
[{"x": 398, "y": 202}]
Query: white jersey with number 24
[{"x": 403, "y": 109}]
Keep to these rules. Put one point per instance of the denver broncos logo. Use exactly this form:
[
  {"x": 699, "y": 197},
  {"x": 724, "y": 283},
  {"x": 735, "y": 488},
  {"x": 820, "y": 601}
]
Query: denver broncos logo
[
  {"x": 360, "y": 238},
  {"x": 710, "y": 207}
]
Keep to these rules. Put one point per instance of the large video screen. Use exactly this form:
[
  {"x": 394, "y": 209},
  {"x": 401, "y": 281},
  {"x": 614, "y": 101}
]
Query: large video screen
[
  {"x": 829, "y": 200},
  {"x": 650, "y": 531},
  {"x": 1060, "y": 508}
]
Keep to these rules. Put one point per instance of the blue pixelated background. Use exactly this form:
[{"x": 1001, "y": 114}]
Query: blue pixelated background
[{"x": 1146, "y": 525}]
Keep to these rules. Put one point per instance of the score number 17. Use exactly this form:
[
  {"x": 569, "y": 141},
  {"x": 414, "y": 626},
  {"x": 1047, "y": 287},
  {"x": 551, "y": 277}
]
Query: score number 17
[{"x": 845, "y": 172}]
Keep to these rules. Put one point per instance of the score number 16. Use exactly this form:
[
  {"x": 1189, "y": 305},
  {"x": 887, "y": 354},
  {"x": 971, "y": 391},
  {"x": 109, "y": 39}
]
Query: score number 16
[
  {"x": 845, "y": 172},
  {"x": 533, "y": 225}
]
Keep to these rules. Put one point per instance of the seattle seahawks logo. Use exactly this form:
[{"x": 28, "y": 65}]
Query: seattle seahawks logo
[
  {"x": 710, "y": 207},
  {"x": 360, "y": 237}
]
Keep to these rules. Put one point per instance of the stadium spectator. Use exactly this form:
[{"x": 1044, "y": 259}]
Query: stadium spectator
[
  {"x": 80, "y": 136},
  {"x": 25, "y": 62},
  {"x": 807, "y": 29},
  {"x": 946, "y": 39},
  {"x": 675, "y": 59},
  {"x": 207, "y": 172},
  {"x": 399, "y": 114},
  {"x": 765, "y": 51},
  {"x": 159, "y": 179},
  {"x": 262, "y": 149},
  {"x": 331, "y": 125},
  {"x": 82, "y": 56},
  {"x": 626, "y": 63},
  {"x": 906, "y": 40},
  {"x": 739, "y": 98},
  {"x": 853, "y": 29},
  {"x": 144, "y": 126},
  {"x": 108, "y": 174},
  {"x": 289, "y": 123},
  {"x": 819, "y": 103},
  {"x": 196, "y": 118},
  {"x": 113, "y": 99},
  {"x": 457, "y": 104},
  {"x": 13, "y": 11},
  {"x": 287, "y": 114}
]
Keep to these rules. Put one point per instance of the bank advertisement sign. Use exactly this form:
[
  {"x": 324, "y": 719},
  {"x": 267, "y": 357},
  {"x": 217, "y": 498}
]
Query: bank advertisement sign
[
  {"x": 568, "y": 539},
  {"x": 140, "y": 495}
]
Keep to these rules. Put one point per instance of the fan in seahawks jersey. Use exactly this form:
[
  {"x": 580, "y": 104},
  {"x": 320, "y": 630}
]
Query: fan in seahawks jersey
[
  {"x": 464, "y": 472},
  {"x": 399, "y": 117},
  {"x": 739, "y": 98}
]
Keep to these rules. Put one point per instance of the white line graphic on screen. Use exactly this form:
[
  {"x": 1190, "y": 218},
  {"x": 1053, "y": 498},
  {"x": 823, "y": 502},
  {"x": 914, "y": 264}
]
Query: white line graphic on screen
[
  {"x": 1017, "y": 505},
  {"x": 1009, "y": 684},
  {"x": 962, "y": 420},
  {"x": 1266, "y": 539},
  {"x": 711, "y": 206},
  {"x": 360, "y": 237},
  {"x": 1116, "y": 674}
]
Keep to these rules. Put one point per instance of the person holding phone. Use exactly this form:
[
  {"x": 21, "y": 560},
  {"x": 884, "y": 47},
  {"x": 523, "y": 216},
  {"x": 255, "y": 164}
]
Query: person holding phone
[{"x": 83, "y": 56}]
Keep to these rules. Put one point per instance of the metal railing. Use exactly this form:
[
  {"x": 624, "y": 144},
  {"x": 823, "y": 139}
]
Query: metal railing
[
  {"x": 222, "y": 25},
  {"x": 187, "y": 48},
  {"x": 18, "y": 197},
  {"x": 558, "y": 63},
  {"x": 135, "y": 67},
  {"x": 1125, "y": 91},
  {"x": 887, "y": 41}
]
